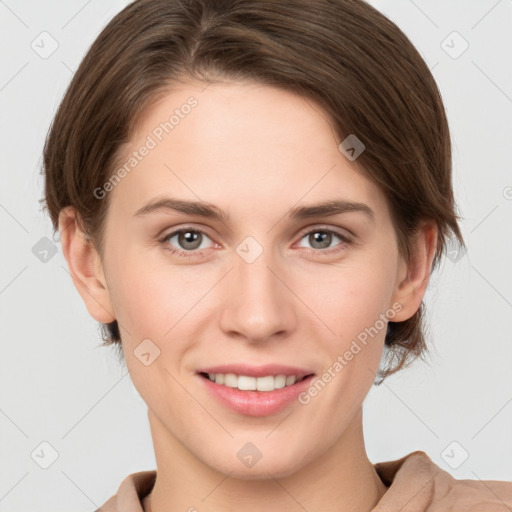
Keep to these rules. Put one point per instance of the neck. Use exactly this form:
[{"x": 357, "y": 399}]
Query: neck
[{"x": 342, "y": 479}]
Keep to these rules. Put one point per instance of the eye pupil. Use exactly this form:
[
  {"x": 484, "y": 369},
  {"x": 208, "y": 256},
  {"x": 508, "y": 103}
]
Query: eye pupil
[
  {"x": 189, "y": 237},
  {"x": 321, "y": 237}
]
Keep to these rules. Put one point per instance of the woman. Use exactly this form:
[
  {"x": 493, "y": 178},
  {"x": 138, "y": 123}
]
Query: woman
[{"x": 251, "y": 197}]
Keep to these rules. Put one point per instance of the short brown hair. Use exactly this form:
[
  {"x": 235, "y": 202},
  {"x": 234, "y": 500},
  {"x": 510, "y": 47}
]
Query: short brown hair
[{"x": 343, "y": 54}]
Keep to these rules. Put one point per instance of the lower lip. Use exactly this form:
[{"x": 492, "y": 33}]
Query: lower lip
[{"x": 256, "y": 403}]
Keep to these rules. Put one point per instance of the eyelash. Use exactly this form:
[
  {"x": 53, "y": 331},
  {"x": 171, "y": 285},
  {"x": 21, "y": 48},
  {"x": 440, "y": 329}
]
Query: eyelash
[{"x": 164, "y": 241}]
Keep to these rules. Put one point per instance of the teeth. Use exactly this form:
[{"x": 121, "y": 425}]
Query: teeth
[
  {"x": 247, "y": 383},
  {"x": 290, "y": 380}
]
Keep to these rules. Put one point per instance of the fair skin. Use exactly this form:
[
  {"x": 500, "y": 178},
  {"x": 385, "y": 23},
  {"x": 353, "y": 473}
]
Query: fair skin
[{"x": 255, "y": 152}]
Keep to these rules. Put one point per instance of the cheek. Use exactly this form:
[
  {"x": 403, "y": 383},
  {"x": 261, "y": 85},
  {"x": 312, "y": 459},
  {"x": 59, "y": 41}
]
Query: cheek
[
  {"x": 154, "y": 303},
  {"x": 144, "y": 297},
  {"x": 154, "y": 299},
  {"x": 352, "y": 301},
  {"x": 350, "y": 296}
]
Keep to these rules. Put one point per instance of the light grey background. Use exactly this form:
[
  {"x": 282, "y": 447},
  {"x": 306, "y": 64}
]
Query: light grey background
[{"x": 58, "y": 387}]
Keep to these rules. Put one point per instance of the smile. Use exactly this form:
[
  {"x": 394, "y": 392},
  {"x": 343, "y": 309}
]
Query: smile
[
  {"x": 269, "y": 390},
  {"x": 249, "y": 383}
]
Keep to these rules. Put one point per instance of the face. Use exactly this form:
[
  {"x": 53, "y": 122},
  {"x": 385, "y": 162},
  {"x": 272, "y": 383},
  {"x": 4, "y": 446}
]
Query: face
[{"x": 258, "y": 292}]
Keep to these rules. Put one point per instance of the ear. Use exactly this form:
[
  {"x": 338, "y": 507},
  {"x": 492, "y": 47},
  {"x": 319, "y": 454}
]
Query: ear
[
  {"x": 413, "y": 277},
  {"x": 85, "y": 267}
]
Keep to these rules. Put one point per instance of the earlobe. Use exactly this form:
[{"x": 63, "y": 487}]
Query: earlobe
[
  {"x": 85, "y": 267},
  {"x": 414, "y": 276}
]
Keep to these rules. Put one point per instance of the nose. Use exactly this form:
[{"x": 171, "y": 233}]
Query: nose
[{"x": 258, "y": 302}]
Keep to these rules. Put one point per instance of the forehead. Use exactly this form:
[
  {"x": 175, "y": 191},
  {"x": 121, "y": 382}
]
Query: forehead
[
  {"x": 235, "y": 141},
  {"x": 203, "y": 114}
]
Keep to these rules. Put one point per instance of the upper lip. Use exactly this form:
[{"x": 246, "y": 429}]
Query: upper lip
[{"x": 257, "y": 371}]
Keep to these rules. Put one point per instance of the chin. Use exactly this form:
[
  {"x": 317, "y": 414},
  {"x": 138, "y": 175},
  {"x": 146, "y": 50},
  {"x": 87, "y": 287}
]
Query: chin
[{"x": 252, "y": 464}]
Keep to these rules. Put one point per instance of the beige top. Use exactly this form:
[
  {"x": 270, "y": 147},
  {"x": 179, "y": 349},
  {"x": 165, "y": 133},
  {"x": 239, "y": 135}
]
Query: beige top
[{"x": 416, "y": 484}]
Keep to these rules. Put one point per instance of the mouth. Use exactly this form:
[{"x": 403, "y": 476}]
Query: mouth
[
  {"x": 265, "y": 383},
  {"x": 255, "y": 391}
]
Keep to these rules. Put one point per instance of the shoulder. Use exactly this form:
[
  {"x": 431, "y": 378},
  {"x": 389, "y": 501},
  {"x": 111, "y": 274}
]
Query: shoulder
[
  {"x": 417, "y": 484},
  {"x": 130, "y": 493}
]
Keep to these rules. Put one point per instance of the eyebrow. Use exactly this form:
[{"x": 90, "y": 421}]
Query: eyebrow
[{"x": 207, "y": 210}]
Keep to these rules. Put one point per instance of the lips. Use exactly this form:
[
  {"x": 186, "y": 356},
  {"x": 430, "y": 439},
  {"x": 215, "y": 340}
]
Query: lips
[{"x": 234, "y": 386}]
